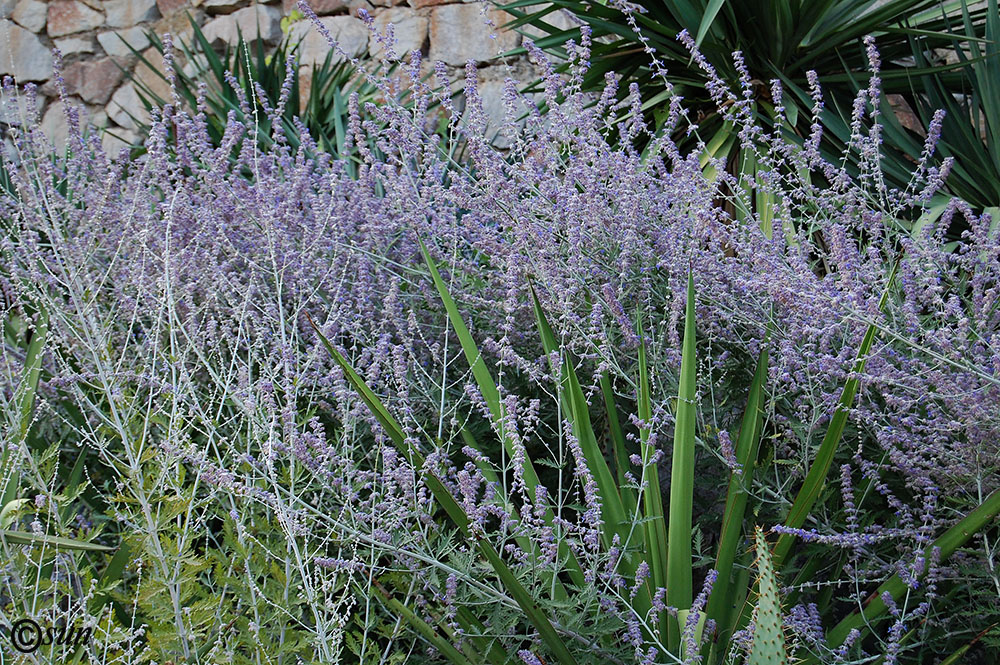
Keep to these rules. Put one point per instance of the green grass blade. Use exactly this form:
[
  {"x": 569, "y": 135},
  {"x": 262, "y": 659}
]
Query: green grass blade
[
  {"x": 679, "y": 559},
  {"x": 820, "y": 468},
  {"x": 768, "y": 646},
  {"x": 577, "y": 411},
  {"x": 720, "y": 604}
]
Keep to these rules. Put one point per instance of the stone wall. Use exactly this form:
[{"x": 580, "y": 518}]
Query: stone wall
[{"x": 94, "y": 37}]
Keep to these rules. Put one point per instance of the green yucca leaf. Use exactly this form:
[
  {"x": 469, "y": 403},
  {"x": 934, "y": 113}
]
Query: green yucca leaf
[
  {"x": 743, "y": 201},
  {"x": 10, "y": 511},
  {"x": 955, "y": 658},
  {"x": 489, "y": 474},
  {"x": 618, "y": 449},
  {"x": 484, "y": 380},
  {"x": 24, "y": 398},
  {"x": 491, "y": 394},
  {"x": 679, "y": 559},
  {"x": 426, "y": 630},
  {"x": 32, "y": 371},
  {"x": 683, "y": 616},
  {"x": 707, "y": 18},
  {"x": 475, "y": 633},
  {"x": 816, "y": 478},
  {"x": 787, "y": 40},
  {"x": 324, "y": 111},
  {"x": 577, "y": 412},
  {"x": 112, "y": 575},
  {"x": 527, "y": 604},
  {"x": 721, "y": 604},
  {"x": 616, "y": 520},
  {"x": 652, "y": 499},
  {"x": 25, "y": 538},
  {"x": 768, "y": 646},
  {"x": 386, "y": 420},
  {"x": 809, "y": 570},
  {"x": 718, "y": 147},
  {"x": 453, "y": 509},
  {"x": 875, "y": 608},
  {"x": 74, "y": 480}
]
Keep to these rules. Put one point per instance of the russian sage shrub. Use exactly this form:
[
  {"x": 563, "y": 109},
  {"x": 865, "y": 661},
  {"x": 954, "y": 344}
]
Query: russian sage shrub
[{"x": 261, "y": 506}]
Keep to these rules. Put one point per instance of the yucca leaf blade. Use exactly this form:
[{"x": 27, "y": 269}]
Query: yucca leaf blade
[
  {"x": 618, "y": 449},
  {"x": 425, "y": 630},
  {"x": 454, "y": 510},
  {"x": 25, "y": 538},
  {"x": 474, "y": 629},
  {"x": 707, "y": 19},
  {"x": 720, "y": 605},
  {"x": 577, "y": 411},
  {"x": 820, "y": 467},
  {"x": 946, "y": 544},
  {"x": 484, "y": 380},
  {"x": 654, "y": 527},
  {"x": 679, "y": 523},
  {"x": 24, "y": 399}
]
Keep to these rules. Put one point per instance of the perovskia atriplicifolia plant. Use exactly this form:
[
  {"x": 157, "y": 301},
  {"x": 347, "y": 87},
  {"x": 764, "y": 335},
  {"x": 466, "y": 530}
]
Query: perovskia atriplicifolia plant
[{"x": 268, "y": 513}]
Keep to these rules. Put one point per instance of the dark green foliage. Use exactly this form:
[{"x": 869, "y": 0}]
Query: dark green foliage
[
  {"x": 325, "y": 108},
  {"x": 784, "y": 39},
  {"x": 971, "y": 130}
]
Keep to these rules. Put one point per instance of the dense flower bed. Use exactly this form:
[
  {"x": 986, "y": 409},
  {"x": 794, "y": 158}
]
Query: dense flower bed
[{"x": 180, "y": 288}]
